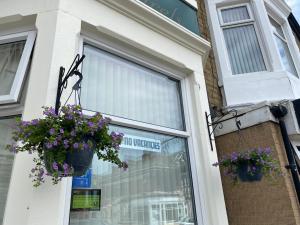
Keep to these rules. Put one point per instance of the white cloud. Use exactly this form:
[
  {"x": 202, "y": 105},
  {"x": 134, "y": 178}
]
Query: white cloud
[{"x": 295, "y": 5}]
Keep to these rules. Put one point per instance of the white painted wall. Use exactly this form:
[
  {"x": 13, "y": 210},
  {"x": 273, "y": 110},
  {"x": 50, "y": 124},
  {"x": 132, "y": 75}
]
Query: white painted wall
[{"x": 59, "y": 27}]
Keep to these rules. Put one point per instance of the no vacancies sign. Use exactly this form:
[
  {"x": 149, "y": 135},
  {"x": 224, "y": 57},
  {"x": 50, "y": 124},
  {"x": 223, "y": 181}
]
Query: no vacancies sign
[{"x": 141, "y": 143}]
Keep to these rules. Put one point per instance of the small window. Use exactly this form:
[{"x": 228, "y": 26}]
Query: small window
[
  {"x": 283, "y": 49},
  {"x": 243, "y": 46},
  {"x": 15, "y": 51},
  {"x": 236, "y": 14}
]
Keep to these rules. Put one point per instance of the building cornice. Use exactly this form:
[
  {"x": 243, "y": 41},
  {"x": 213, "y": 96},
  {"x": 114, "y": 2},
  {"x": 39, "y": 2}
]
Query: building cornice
[
  {"x": 282, "y": 6},
  {"x": 159, "y": 23}
]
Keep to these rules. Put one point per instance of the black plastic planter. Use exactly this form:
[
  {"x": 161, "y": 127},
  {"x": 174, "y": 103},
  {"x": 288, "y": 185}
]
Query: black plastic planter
[
  {"x": 246, "y": 176},
  {"x": 80, "y": 160}
]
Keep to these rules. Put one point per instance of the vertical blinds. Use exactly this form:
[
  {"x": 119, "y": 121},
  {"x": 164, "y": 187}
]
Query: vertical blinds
[
  {"x": 116, "y": 86},
  {"x": 6, "y": 161},
  {"x": 155, "y": 190},
  {"x": 242, "y": 44},
  {"x": 243, "y": 49},
  {"x": 10, "y": 55},
  {"x": 235, "y": 14}
]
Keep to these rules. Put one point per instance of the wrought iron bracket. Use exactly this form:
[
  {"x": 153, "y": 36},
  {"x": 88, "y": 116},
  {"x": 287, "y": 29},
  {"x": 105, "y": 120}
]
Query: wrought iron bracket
[
  {"x": 218, "y": 123},
  {"x": 63, "y": 79}
]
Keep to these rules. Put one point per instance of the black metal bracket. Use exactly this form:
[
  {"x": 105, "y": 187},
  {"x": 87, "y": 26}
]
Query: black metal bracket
[
  {"x": 218, "y": 123},
  {"x": 63, "y": 79}
]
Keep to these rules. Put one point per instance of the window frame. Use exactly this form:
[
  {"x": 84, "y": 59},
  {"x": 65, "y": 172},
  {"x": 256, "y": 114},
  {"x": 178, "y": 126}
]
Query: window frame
[
  {"x": 182, "y": 77},
  {"x": 250, "y": 21},
  {"x": 284, "y": 39},
  {"x": 19, "y": 79}
]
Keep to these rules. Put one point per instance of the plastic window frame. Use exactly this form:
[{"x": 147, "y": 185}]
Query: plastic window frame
[
  {"x": 250, "y": 21},
  {"x": 19, "y": 79},
  {"x": 285, "y": 40}
]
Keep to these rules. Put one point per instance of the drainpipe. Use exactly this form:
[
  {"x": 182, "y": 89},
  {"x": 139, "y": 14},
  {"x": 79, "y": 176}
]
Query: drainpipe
[{"x": 279, "y": 112}]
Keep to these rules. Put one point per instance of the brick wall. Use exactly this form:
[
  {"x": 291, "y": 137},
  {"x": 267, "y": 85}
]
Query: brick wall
[
  {"x": 210, "y": 70},
  {"x": 259, "y": 203}
]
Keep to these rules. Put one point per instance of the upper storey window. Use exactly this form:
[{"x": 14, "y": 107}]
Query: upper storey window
[
  {"x": 179, "y": 11},
  {"x": 282, "y": 45},
  {"x": 243, "y": 44}
]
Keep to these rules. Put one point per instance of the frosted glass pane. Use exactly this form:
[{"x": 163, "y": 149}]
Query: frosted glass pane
[
  {"x": 6, "y": 161},
  {"x": 243, "y": 49},
  {"x": 116, "y": 86},
  {"x": 155, "y": 190},
  {"x": 285, "y": 56},
  {"x": 10, "y": 55},
  {"x": 235, "y": 14}
]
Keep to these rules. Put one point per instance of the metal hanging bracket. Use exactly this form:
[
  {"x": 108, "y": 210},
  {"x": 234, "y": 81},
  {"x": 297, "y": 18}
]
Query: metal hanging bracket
[
  {"x": 63, "y": 79},
  {"x": 218, "y": 123}
]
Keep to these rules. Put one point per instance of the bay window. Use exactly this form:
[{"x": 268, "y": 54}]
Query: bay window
[
  {"x": 241, "y": 39},
  {"x": 146, "y": 106}
]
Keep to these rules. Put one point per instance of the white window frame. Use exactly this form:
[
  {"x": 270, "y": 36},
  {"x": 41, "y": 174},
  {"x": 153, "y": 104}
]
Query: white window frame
[
  {"x": 18, "y": 82},
  {"x": 250, "y": 21},
  {"x": 186, "y": 109},
  {"x": 284, "y": 39}
]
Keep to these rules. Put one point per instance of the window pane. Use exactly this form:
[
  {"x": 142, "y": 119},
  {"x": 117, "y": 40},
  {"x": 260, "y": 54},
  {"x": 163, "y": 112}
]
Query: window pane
[
  {"x": 155, "y": 190},
  {"x": 235, "y": 14},
  {"x": 6, "y": 161},
  {"x": 285, "y": 55},
  {"x": 116, "y": 86},
  {"x": 10, "y": 55},
  {"x": 243, "y": 49},
  {"x": 276, "y": 27}
]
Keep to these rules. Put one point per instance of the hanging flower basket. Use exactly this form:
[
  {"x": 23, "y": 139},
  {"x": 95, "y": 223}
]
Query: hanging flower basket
[
  {"x": 66, "y": 143},
  {"x": 248, "y": 172},
  {"x": 249, "y": 166}
]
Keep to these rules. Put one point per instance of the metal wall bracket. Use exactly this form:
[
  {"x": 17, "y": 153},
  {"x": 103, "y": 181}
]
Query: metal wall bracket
[
  {"x": 63, "y": 79},
  {"x": 218, "y": 123}
]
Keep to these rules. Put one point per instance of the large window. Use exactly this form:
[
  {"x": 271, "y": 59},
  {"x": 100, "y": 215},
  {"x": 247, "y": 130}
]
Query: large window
[
  {"x": 243, "y": 47},
  {"x": 6, "y": 161},
  {"x": 15, "y": 51},
  {"x": 157, "y": 187},
  {"x": 283, "y": 48}
]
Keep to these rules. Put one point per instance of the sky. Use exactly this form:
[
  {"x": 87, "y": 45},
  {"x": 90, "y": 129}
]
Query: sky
[{"x": 295, "y": 5}]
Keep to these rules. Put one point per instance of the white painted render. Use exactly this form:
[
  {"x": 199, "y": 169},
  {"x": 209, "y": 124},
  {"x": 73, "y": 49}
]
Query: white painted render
[
  {"x": 60, "y": 26},
  {"x": 272, "y": 85}
]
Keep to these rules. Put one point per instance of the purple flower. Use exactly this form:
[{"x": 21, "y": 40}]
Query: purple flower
[
  {"x": 85, "y": 146},
  {"x": 268, "y": 150},
  {"x": 234, "y": 156},
  {"x": 52, "y": 131},
  {"x": 61, "y": 130},
  {"x": 91, "y": 124},
  {"x": 66, "y": 142},
  {"x": 34, "y": 122},
  {"x": 66, "y": 168},
  {"x": 73, "y": 133},
  {"x": 76, "y": 145},
  {"x": 55, "y": 166},
  {"x": 49, "y": 145},
  {"x": 55, "y": 143}
]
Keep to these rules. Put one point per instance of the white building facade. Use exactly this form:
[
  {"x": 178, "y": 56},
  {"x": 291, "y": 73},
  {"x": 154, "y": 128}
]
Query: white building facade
[{"x": 144, "y": 71}]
